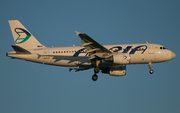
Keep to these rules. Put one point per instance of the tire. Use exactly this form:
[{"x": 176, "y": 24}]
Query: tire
[
  {"x": 151, "y": 71},
  {"x": 94, "y": 77},
  {"x": 96, "y": 70}
]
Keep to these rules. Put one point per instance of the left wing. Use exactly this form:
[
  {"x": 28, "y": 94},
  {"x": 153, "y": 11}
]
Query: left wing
[
  {"x": 78, "y": 69},
  {"x": 93, "y": 48}
]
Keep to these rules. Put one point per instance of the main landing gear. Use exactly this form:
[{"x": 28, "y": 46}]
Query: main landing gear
[
  {"x": 95, "y": 77},
  {"x": 150, "y": 67}
]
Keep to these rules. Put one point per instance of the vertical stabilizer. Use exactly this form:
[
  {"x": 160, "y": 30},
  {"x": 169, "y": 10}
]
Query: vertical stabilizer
[{"x": 22, "y": 37}]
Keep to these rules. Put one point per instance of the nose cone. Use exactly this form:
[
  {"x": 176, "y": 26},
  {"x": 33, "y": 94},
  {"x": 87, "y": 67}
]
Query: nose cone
[{"x": 173, "y": 55}]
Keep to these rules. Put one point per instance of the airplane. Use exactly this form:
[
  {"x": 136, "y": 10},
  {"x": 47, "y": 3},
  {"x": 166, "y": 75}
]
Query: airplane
[{"x": 109, "y": 59}]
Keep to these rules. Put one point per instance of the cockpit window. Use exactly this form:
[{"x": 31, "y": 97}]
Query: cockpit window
[{"x": 162, "y": 48}]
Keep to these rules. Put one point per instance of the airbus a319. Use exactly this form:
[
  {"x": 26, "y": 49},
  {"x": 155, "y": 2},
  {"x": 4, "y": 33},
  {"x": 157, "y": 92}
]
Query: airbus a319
[{"x": 109, "y": 59}]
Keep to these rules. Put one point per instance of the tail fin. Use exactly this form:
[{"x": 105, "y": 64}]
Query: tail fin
[{"x": 22, "y": 37}]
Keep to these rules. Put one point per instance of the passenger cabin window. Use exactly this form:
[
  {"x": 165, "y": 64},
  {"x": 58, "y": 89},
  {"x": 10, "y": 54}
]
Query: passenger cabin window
[{"x": 64, "y": 51}]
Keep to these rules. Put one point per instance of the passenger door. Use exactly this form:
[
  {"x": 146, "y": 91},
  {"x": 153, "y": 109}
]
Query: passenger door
[
  {"x": 150, "y": 53},
  {"x": 150, "y": 49}
]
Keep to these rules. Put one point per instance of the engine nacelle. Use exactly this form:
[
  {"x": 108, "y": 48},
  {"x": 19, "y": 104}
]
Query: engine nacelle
[
  {"x": 119, "y": 58},
  {"x": 115, "y": 71}
]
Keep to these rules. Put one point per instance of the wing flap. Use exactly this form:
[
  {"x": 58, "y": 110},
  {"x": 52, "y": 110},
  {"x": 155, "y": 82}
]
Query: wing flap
[
  {"x": 86, "y": 44},
  {"x": 93, "y": 50}
]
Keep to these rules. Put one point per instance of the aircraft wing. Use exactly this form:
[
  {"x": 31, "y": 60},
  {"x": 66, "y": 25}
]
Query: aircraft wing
[
  {"x": 78, "y": 69},
  {"x": 92, "y": 47}
]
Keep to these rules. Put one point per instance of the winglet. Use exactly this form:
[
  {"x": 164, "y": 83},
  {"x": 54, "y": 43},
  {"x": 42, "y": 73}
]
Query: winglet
[{"x": 77, "y": 33}]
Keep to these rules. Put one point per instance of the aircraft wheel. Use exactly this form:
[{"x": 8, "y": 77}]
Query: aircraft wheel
[
  {"x": 151, "y": 71},
  {"x": 94, "y": 77},
  {"x": 96, "y": 70}
]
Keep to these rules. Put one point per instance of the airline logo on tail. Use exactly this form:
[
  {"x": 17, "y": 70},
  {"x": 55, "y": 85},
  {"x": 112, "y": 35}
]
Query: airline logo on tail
[{"x": 24, "y": 35}]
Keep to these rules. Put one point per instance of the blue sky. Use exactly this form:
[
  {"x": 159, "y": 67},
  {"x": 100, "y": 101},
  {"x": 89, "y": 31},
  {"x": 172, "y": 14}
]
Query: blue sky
[{"x": 27, "y": 87}]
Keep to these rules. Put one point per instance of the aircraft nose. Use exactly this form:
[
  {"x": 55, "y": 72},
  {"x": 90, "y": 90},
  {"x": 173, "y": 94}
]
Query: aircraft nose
[{"x": 173, "y": 55}]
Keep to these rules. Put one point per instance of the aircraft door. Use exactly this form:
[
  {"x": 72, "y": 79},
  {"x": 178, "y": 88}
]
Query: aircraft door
[
  {"x": 150, "y": 53},
  {"x": 150, "y": 49}
]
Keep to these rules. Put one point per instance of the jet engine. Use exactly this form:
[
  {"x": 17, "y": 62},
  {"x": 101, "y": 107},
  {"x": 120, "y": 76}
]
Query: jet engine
[
  {"x": 115, "y": 71},
  {"x": 120, "y": 58}
]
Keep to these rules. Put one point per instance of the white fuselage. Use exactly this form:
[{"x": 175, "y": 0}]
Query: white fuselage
[{"x": 77, "y": 56}]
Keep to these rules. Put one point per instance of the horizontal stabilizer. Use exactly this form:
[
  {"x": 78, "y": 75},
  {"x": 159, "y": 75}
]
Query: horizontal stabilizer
[{"x": 20, "y": 50}]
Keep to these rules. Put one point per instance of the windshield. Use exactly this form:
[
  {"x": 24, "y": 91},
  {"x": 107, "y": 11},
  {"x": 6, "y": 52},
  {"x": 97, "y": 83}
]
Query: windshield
[{"x": 162, "y": 48}]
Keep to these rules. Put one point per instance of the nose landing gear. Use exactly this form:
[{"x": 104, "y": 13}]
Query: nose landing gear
[
  {"x": 151, "y": 71},
  {"x": 150, "y": 67}
]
